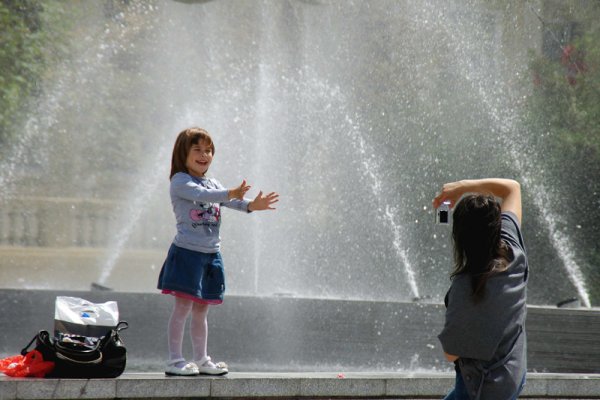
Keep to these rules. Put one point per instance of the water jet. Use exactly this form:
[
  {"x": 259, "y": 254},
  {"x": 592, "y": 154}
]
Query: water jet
[{"x": 355, "y": 112}]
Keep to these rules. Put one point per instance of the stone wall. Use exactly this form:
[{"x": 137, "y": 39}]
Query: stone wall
[
  {"x": 73, "y": 222},
  {"x": 297, "y": 334}
]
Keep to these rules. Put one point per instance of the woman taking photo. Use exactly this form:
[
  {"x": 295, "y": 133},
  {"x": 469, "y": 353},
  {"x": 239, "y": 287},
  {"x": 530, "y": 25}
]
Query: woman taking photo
[{"x": 484, "y": 330}]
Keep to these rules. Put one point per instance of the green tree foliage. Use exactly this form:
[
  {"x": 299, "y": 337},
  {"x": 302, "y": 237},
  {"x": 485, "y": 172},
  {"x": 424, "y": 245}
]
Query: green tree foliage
[
  {"x": 29, "y": 42},
  {"x": 566, "y": 98},
  {"x": 70, "y": 67},
  {"x": 564, "y": 115}
]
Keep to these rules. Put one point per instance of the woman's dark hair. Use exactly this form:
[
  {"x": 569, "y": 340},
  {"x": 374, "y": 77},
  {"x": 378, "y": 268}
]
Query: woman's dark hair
[
  {"x": 184, "y": 142},
  {"x": 478, "y": 248}
]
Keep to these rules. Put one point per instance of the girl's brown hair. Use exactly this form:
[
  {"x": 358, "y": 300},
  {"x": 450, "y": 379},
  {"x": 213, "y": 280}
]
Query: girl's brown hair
[
  {"x": 184, "y": 142},
  {"x": 478, "y": 248}
]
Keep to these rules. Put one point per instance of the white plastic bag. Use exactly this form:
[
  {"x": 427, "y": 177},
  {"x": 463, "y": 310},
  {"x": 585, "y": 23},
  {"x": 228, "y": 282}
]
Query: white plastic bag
[{"x": 76, "y": 316}]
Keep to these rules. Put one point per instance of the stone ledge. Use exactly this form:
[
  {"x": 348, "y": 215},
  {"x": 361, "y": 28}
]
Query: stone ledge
[
  {"x": 300, "y": 334},
  {"x": 294, "y": 385}
]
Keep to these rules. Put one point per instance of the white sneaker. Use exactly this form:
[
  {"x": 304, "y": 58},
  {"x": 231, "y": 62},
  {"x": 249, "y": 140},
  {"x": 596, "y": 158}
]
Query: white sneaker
[
  {"x": 188, "y": 369},
  {"x": 207, "y": 367}
]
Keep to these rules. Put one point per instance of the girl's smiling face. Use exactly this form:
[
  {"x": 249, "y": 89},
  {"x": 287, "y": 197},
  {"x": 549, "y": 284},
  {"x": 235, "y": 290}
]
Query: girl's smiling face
[{"x": 199, "y": 158}]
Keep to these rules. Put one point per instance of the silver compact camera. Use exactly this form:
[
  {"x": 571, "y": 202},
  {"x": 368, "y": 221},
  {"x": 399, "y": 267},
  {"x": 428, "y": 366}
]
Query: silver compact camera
[{"x": 442, "y": 213}]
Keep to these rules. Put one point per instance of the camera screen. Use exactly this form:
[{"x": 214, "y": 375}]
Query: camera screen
[{"x": 443, "y": 217}]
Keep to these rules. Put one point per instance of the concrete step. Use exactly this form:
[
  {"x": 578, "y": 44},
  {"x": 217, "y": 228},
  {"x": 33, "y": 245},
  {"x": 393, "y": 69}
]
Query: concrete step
[{"x": 292, "y": 385}]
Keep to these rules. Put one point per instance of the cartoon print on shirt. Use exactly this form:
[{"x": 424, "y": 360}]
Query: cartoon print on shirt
[{"x": 207, "y": 214}]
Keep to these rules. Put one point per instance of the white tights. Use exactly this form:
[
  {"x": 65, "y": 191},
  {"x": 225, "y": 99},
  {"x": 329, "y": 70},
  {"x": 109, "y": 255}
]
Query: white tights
[{"x": 198, "y": 328}]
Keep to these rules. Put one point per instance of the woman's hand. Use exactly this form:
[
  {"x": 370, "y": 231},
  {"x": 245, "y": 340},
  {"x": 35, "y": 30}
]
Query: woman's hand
[
  {"x": 451, "y": 357},
  {"x": 238, "y": 192},
  {"x": 451, "y": 192},
  {"x": 261, "y": 202}
]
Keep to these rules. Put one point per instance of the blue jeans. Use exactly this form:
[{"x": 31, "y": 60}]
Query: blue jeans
[{"x": 460, "y": 390}]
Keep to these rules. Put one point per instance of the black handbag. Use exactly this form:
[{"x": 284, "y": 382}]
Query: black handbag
[{"x": 102, "y": 358}]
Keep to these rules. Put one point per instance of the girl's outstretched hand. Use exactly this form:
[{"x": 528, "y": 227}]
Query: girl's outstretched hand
[
  {"x": 261, "y": 202},
  {"x": 238, "y": 192}
]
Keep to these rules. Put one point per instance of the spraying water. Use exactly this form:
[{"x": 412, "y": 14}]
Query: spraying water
[
  {"x": 371, "y": 169},
  {"x": 134, "y": 210},
  {"x": 353, "y": 111},
  {"x": 495, "y": 97}
]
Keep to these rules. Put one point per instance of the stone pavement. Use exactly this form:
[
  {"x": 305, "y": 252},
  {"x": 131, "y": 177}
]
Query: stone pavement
[{"x": 292, "y": 385}]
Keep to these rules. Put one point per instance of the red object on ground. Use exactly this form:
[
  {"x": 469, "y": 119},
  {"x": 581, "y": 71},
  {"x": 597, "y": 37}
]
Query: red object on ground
[{"x": 31, "y": 364}]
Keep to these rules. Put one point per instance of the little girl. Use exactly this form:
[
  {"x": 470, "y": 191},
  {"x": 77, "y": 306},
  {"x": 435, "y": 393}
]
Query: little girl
[{"x": 193, "y": 271}]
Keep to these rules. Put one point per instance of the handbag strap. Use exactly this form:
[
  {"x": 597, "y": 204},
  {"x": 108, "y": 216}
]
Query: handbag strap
[
  {"x": 77, "y": 347},
  {"x": 43, "y": 335},
  {"x": 64, "y": 357},
  {"x": 25, "y": 349},
  {"x": 121, "y": 326}
]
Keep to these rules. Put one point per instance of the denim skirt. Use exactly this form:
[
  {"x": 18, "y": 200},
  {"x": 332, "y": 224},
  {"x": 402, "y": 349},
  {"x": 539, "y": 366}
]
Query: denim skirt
[{"x": 194, "y": 275}]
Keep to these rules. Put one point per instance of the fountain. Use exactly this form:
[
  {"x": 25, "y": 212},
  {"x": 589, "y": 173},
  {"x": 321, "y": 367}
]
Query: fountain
[{"x": 355, "y": 112}]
